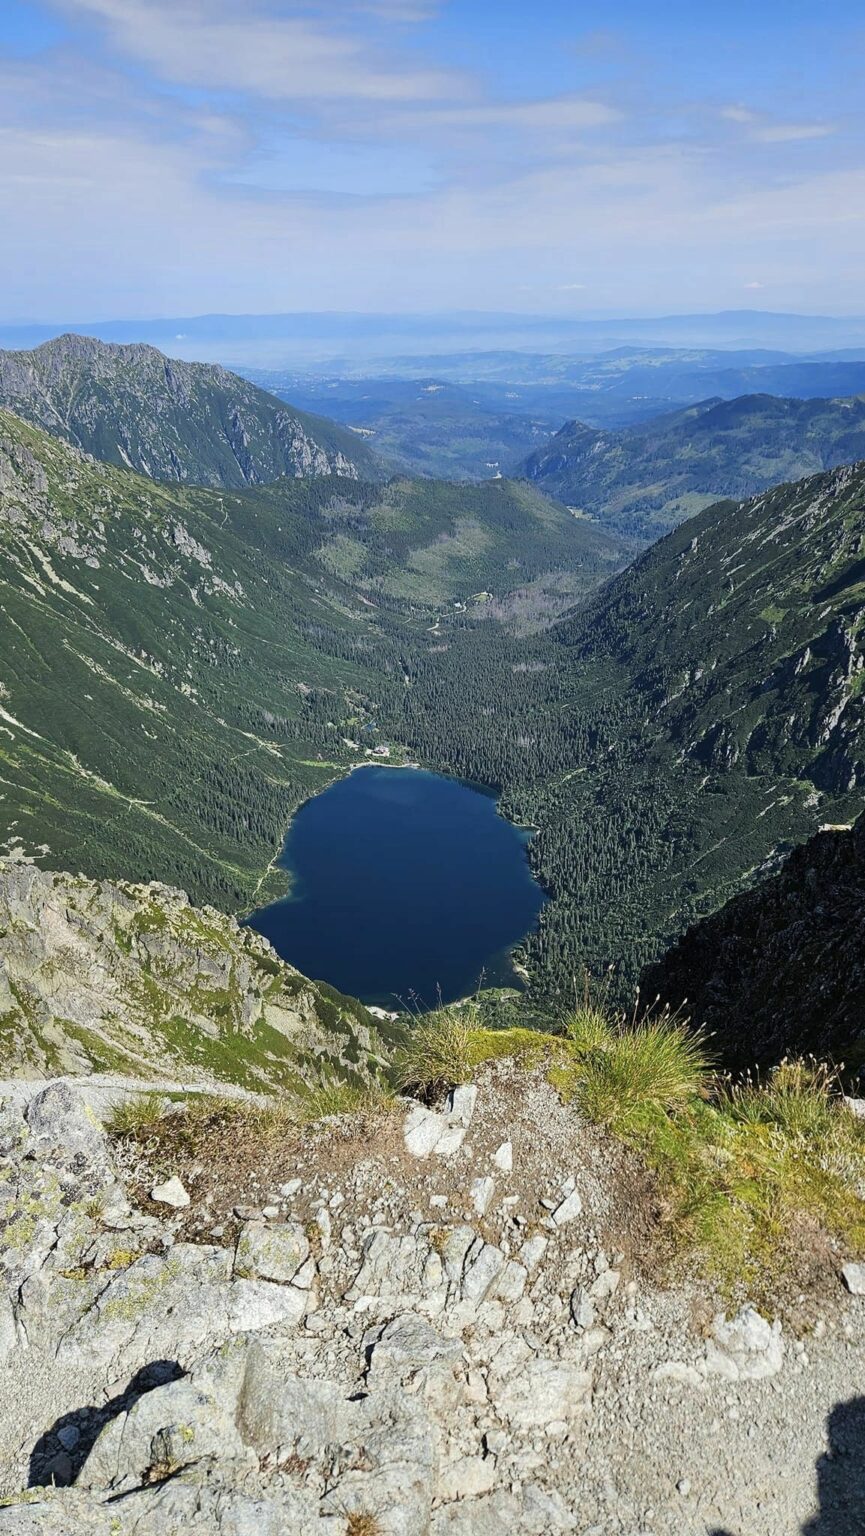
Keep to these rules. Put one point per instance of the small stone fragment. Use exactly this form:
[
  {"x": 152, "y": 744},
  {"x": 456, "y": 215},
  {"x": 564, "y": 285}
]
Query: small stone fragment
[
  {"x": 423, "y": 1130},
  {"x": 503, "y": 1157},
  {"x": 481, "y": 1192},
  {"x": 170, "y": 1193},
  {"x": 569, "y": 1209},
  {"x": 854, "y": 1278},
  {"x": 461, "y": 1104}
]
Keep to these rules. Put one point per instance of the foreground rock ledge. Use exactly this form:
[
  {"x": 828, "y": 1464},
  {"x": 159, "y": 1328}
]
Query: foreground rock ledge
[{"x": 374, "y": 1346}]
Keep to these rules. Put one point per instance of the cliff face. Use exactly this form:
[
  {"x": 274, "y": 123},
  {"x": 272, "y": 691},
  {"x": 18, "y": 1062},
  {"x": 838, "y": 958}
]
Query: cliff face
[
  {"x": 192, "y": 422},
  {"x": 780, "y": 970},
  {"x": 132, "y": 979}
]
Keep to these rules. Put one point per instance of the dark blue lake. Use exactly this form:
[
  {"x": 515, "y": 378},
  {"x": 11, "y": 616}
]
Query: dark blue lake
[{"x": 405, "y": 887}]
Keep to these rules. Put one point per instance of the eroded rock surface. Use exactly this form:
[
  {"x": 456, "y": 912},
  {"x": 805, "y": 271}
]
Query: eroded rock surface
[{"x": 372, "y": 1347}]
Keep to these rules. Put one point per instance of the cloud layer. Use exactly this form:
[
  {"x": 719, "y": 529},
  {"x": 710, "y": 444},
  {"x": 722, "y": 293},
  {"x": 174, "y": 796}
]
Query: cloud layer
[{"x": 190, "y": 156}]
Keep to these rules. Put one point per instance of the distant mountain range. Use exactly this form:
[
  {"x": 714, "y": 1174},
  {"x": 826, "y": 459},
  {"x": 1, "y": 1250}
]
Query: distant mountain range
[
  {"x": 282, "y": 340},
  {"x": 427, "y": 426},
  {"x": 646, "y": 479},
  {"x": 193, "y": 422}
]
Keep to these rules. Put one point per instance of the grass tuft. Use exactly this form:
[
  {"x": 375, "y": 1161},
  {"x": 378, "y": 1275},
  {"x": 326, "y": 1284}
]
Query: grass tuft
[
  {"x": 361, "y": 1523},
  {"x": 623, "y": 1071},
  {"x": 136, "y": 1114},
  {"x": 447, "y": 1047},
  {"x": 439, "y": 1054}
]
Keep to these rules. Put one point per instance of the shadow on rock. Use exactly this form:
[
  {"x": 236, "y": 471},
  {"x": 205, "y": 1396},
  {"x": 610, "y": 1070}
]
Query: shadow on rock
[{"x": 60, "y": 1453}]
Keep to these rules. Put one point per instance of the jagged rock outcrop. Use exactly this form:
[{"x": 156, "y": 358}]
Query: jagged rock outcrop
[
  {"x": 780, "y": 970},
  {"x": 172, "y": 420},
  {"x": 362, "y": 1353},
  {"x": 133, "y": 979}
]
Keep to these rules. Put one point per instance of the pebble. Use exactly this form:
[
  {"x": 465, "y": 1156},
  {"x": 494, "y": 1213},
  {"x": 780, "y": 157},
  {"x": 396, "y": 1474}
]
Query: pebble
[
  {"x": 481, "y": 1192},
  {"x": 170, "y": 1193},
  {"x": 569, "y": 1209}
]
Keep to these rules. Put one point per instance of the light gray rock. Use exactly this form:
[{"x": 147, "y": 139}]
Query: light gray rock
[
  {"x": 461, "y": 1104},
  {"x": 481, "y": 1193},
  {"x": 423, "y": 1130},
  {"x": 409, "y": 1354},
  {"x": 746, "y": 1347},
  {"x": 678, "y": 1371},
  {"x": 170, "y": 1426},
  {"x": 568, "y": 1210},
  {"x": 170, "y": 1193},
  {"x": 503, "y": 1157},
  {"x": 606, "y": 1285},
  {"x": 582, "y": 1308},
  {"x": 532, "y": 1251},
  {"x": 484, "y": 1264},
  {"x": 466, "y": 1478},
  {"x": 511, "y": 1283},
  {"x": 450, "y": 1141},
  {"x": 854, "y": 1278},
  {"x": 270, "y": 1253},
  {"x": 543, "y": 1391},
  {"x": 59, "y": 1118}
]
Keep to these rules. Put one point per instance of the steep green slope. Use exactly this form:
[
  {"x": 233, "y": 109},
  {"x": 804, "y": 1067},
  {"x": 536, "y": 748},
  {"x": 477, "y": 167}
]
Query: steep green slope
[
  {"x": 432, "y": 542},
  {"x": 646, "y": 479},
  {"x": 691, "y": 722},
  {"x": 180, "y": 667},
  {"x": 171, "y": 681},
  {"x": 192, "y": 422}
]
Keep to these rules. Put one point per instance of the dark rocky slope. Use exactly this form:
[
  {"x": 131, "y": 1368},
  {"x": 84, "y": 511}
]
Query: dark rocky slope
[{"x": 780, "y": 970}]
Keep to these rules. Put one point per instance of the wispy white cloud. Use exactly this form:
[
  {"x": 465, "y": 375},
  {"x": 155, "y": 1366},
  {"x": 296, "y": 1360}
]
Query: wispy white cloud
[
  {"x": 220, "y": 46},
  {"x": 764, "y": 131},
  {"x": 183, "y": 155},
  {"x": 550, "y": 114}
]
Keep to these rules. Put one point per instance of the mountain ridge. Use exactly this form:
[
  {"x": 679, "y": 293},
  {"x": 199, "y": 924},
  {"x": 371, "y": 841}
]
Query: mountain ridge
[
  {"x": 197, "y": 423},
  {"x": 645, "y": 479}
]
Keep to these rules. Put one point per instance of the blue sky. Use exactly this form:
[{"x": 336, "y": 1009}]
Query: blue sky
[{"x": 183, "y": 156}]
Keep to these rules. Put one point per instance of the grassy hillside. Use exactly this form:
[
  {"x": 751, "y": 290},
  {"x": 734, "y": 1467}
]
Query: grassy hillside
[
  {"x": 432, "y": 542},
  {"x": 685, "y": 728},
  {"x": 192, "y": 422},
  {"x": 180, "y": 667},
  {"x": 171, "y": 683},
  {"x": 646, "y": 479}
]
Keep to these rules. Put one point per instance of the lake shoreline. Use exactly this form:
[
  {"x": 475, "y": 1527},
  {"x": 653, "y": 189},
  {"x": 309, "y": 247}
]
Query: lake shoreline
[{"x": 446, "y": 874}]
